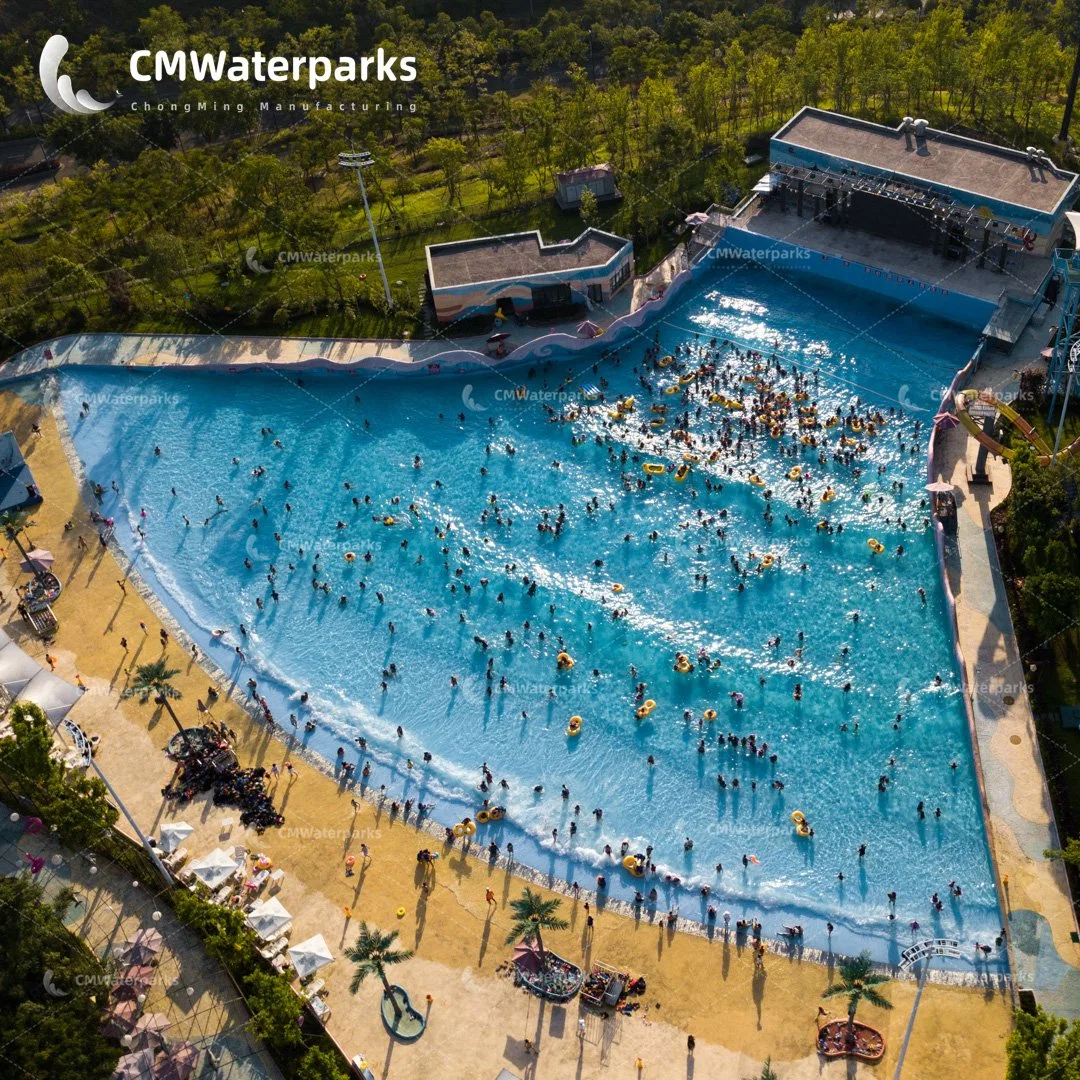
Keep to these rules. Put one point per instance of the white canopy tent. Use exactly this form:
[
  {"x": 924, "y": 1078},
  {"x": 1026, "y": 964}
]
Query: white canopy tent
[
  {"x": 55, "y": 697},
  {"x": 16, "y": 668},
  {"x": 269, "y": 918},
  {"x": 173, "y": 835},
  {"x": 310, "y": 955},
  {"x": 215, "y": 868}
]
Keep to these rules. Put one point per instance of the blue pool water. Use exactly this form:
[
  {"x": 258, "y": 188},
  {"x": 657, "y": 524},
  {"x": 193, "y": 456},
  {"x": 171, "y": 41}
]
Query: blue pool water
[{"x": 364, "y": 430}]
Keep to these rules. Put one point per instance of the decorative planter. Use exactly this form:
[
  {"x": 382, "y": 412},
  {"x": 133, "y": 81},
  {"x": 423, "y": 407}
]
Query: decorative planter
[
  {"x": 409, "y": 1026},
  {"x": 866, "y": 1043}
]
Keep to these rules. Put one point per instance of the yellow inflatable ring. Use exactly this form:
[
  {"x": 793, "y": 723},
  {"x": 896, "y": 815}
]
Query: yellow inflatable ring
[
  {"x": 350, "y": 556},
  {"x": 767, "y": 561},
  {"x": 573, "y": 727},
  {"x": 756, "y": 480},
  {"x": 469, "y": 828},
  {"x": 828, "y": 495},
  {"x": 664, "y": 361},
  {"x": 798, "y": 817},
  {"x": 650, "y": 704},
  {"x": 669, "y": 390},
  {"x": 483, "y": 817},
  {"x": 795, "y": 473},
  {"x": 686, "y": 379},
  {"x": 876, "y": 546},
  {"x": 388, "y": 521},
  {"x": 564, "y": 661},
  {"x": 459, "y": 830},
  {"x": 803, "y": 830},
  {"x": 616, "y": 588},
  {"x": 400, "y": 913},
  {"x": 657, "y": 422},
  {"x": 633, "y": 866},
  {"x": 710, "y": 714},
  {"x": 641, "y": 712}
]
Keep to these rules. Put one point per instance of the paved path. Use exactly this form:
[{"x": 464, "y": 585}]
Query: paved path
[
  {"x": 110, "y": 910},
  {"x": 1040, "y": 912}
]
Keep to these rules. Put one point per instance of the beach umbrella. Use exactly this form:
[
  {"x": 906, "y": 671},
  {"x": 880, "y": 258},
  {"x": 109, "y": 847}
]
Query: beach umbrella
[
  {"x": 527, "y": 958},
  {"x": 310, "y": 955},
  {"x": 940, "y": 487},
  {"x": 179, "y": 1063},
  {"x": 269, "y": 918},
  {"x": 141, "y": 947},
  {"x": 215, "y": 868},
  {"x": 588, "y": 328},
  {"x": 120, "y": 1019},
  {"x": 37, "y": 561},
  {"x": 173, "y": 835},
  {"x": 133, "y": 980},
  {"x": 502, "y": 336},
  {"x": 696, "y": 218},
  {"x": 137, "y": 1066},
  {"x": 148, "y": 1033},
  {"x": 945, "y": 420}
]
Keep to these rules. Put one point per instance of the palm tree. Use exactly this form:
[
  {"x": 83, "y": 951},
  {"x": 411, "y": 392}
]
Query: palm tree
[
  {"x": 13, "y": 522},
  {"x": 532, "y": 913},
  {"x": 857, "y": 983},
  {"x": 373, "y": 952},
  {"x": 155, "y": 680}
]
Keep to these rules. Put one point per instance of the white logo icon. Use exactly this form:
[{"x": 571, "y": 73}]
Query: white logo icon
[
  {"x": 50, "y": 987},
  {"x": 469, "y": 402},
  {"x": 905, "y": 400},
  {"x": 57, "y": 87},
  {"x": 253, "y": 264}
]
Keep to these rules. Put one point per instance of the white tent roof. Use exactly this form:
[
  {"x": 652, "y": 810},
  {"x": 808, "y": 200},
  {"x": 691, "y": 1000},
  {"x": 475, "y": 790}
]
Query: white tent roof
[
  {"x": 268, "y": 918},
  {"x": 16, "y": 668},
  {"x": 214, "y": 868},
  {"x": 310, "y": 955},
  {"x": 51, "y": 694},
  {"x": 173, "y": 835}
]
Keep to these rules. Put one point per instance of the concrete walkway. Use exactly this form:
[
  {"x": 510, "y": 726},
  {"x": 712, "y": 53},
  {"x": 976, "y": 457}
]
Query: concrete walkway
[
  {"x": 1041, "y": 916},
  {"x": 109, "y": 910}
]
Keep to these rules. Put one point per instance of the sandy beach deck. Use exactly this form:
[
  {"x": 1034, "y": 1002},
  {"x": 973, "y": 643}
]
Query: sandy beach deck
[{"x": 478, "y": 1022}]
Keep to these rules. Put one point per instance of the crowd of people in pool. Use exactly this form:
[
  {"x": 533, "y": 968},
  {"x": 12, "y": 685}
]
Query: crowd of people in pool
[{"x": 711, "y": 407}]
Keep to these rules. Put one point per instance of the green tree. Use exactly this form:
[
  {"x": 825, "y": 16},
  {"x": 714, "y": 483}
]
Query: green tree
[
  {"x": 533, "y": 914},
  {"x": 1069, "y": 854},
  {"x": 449, "y": 156},
  {"x": 767, "y": 1071},
  {"x": 275, "y": 1009},
  {"x": 155, "y": 680},
  {"x": 588, "y": 206},
  {"x": 858, "y": 983},
  {"x": 319, "y": 1064},
  {"x": 1043, "y": 1047},
  {"x": 373, "y": 952}
]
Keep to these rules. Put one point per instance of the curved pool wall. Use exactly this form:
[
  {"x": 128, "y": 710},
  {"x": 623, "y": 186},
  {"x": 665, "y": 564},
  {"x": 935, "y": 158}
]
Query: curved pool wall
[{"x": 791, "y": 893}]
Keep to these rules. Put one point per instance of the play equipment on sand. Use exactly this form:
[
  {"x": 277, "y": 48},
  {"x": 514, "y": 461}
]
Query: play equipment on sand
[{"x": 963, "y": 402}]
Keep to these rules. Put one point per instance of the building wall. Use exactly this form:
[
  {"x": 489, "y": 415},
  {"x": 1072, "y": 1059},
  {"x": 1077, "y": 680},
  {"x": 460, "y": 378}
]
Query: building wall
[
  {"x": 570, "y": 194},
  {"x": 944, "y": 303},
  {"x": 1047, "y": 227},
  {"x": 465, "y": 301}
]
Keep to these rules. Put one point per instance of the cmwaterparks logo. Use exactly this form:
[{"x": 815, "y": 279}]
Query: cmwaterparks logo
[
  {"x": 219, "y": 67},
  {"x": 58, "y": 88}
]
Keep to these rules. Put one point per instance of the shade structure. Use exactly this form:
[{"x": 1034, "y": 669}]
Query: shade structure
[
  {"x": 148, "y": 1032},
  {"x": 37, "y": 560},
  {"x": 941, "y": 487},
  {"x": 588, "y": 328},
  {"x": 310, "y": 955},
  {"x": 527, "y": 957},
  {"x": 120, "y": 1019},
  {"x": 53, "y": 695},
  {"x": 133, "y": 981},
  {"x": 141, "y": 947},
  {"x": 137, "y": 1066},
  {"x": 943, "y": 421},
  {"x": 179, "y": 1063},
  {"x": 16, "y": 668},
  {"x": 173, "y": 835},
  {"x": 215, "y": 868},
  {"x": 699, "y": 217},
  {"x": 268, "y": 918}
]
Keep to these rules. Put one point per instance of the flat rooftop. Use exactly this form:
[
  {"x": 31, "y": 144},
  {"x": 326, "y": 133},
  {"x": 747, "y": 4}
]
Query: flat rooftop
[
  {"x": 517, "y": 255},
  {"x": 966, "y": 165}
]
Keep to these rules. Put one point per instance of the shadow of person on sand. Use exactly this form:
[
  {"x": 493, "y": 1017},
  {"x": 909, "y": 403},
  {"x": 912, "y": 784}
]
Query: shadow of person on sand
[{"x": 758, "y": 991}]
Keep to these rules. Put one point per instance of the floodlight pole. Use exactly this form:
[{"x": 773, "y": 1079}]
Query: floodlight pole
[{"x": 359, "y": 161}]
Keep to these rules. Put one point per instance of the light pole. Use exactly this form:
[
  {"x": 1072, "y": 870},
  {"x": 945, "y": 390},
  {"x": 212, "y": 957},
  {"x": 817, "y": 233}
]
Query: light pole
[{"x": 360, "y": 160}]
